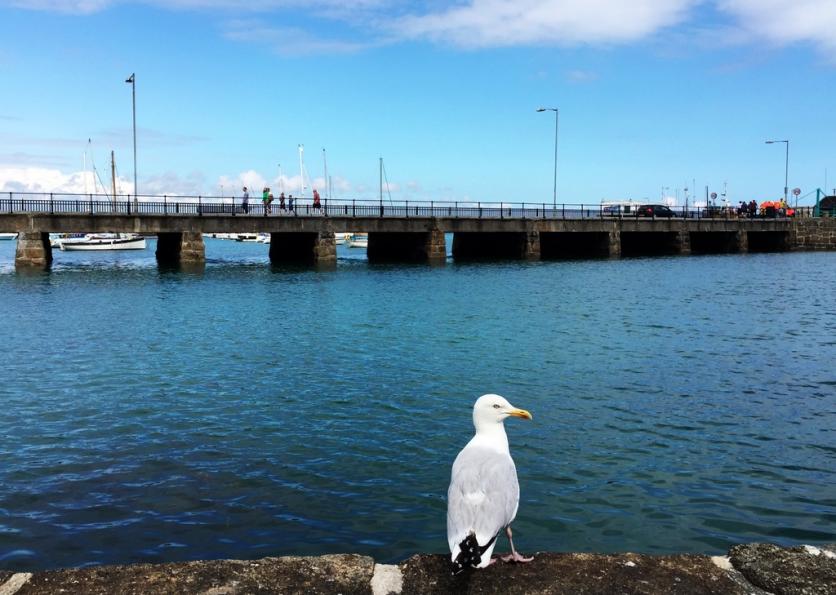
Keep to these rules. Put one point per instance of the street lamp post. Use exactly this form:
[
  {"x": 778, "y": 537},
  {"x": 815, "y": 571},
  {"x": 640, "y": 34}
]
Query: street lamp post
[
  {"x": 786, "y": 166},
  {"x": 132, "y": 80},
  {"x": 556, "y": 118}
]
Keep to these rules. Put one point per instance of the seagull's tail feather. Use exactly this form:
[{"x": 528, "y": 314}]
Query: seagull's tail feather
[{"x": 470, "y": 553}]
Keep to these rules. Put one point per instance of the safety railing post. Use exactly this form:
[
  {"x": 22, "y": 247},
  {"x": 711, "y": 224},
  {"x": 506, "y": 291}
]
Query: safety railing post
[
  {"x": 91, "y": 204},
  {"x": 51, "y": 206},
  {"x": 165, "y": 205},
  {"x": 200, "y": 207}
]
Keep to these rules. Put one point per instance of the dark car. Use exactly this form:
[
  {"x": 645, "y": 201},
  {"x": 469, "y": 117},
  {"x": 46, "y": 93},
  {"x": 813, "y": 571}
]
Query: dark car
[{"x": 655, "y": 211}]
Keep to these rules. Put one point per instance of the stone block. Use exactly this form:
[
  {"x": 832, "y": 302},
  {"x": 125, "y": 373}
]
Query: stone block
[{"x": 802, "y": 570}]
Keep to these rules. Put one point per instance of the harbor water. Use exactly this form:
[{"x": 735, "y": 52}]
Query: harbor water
[{"x": 681, "y": 404}]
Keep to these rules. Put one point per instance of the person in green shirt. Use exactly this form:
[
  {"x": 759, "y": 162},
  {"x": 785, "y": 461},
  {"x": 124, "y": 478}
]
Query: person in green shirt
[{"x": 266, "y": 199}]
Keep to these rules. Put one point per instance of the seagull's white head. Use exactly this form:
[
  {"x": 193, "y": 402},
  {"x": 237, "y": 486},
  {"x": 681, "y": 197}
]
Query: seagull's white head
[{"x": 493, "y": 409}]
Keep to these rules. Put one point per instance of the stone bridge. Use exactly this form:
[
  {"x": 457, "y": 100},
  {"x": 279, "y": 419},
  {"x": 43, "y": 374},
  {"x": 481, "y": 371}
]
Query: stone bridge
[{"x": 400, "y": 234}]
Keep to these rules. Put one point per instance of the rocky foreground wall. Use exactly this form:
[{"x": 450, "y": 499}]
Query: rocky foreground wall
[{"x": 754, "y": 569}]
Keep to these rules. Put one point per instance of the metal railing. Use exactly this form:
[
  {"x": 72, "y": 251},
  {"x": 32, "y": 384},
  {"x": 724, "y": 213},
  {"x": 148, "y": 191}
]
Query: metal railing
[{"x": 99, "y": 204}]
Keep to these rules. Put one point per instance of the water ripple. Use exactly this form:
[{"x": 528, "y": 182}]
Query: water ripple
[{"x": 248, "y": 411}]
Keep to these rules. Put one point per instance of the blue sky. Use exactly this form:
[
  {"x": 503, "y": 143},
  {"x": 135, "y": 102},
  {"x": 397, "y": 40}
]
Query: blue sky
[{"x": 654, "y": 96}]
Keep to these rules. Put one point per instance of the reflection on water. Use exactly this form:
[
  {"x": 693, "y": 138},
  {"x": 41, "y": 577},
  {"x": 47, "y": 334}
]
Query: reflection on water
[{"x": 244, "y": 410}]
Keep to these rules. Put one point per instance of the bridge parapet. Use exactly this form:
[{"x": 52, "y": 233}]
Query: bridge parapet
[{"x": 407, "y": 231}]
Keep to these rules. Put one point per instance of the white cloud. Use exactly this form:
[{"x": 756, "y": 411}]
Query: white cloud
[
  {"x": 288, "y": 41},
  {"x": 492, "y": 23},
  {"x": 20, "y": 159},
  {"x": 787, "y": 21},
  {"x": 488, "y": 23},
  {"x": 67, "y": 6},
  {"x": 581, "y": 76},
  {"x": 41, "y": 179},
  {"x": 90, "y": 6},
  {"x": 171, "y": 183},
  {"x": 255, "y": 182}
]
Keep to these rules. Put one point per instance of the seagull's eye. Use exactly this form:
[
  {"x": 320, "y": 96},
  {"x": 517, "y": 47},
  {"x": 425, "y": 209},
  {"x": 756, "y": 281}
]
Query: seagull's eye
[{"x": 496, "y": 406}]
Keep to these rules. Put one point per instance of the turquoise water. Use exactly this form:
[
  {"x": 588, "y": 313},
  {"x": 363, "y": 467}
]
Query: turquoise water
[{"x": 680, "y": 404}]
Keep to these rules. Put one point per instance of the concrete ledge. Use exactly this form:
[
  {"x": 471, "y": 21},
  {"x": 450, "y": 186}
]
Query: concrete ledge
[
  {"x": 343, "y": 573},
  {"x": 755, "y": 569}
]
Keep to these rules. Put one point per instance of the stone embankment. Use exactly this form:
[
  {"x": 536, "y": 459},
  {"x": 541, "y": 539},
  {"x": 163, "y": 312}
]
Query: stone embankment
[{"x": 754, "y": 569}]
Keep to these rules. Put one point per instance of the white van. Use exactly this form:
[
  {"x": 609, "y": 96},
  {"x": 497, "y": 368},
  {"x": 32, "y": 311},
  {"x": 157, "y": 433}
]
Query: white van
[{"x": 619, "y": 208}]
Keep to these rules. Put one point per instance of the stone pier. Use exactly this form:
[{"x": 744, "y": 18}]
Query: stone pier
[
  {"x": 180, "y": 248},
  {"x": 742, "y": 241},
  {"x": 33, "y": 250},
  {"x": 407, "y": 246},
  {"x": 813, "y": 234},
  {"x": 683, "y": 242},
  {"x": 614, "y": 243},
  {"x": 303, "y": 247}
]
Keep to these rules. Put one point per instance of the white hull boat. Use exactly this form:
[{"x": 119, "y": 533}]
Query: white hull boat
[
  {"x": 93, "y": 241},
  {"x": 357, "y": 240}
]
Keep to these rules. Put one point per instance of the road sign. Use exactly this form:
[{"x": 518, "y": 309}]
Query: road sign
[
  {"x": 796, "y": 191},
  {"x": 713, "y": 195}
]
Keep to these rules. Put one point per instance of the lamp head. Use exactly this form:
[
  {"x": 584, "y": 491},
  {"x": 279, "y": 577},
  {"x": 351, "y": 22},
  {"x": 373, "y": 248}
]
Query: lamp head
[{"x": 541, "y": 109}]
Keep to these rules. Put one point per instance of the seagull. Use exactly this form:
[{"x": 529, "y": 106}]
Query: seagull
[{"x": 484, "y": 494}]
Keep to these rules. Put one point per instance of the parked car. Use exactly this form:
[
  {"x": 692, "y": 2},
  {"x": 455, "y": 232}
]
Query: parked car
[
  {"x": 655, "y": 211},
  {"x": 619, "y": 208}
]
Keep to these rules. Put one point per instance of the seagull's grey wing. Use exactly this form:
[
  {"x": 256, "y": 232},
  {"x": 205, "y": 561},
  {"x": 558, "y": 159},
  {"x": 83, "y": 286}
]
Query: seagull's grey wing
[{"x": 483, "y": 496}]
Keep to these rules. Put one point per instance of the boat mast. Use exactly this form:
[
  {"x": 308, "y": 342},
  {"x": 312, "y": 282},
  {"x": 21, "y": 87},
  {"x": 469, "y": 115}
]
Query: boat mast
[
  {"x": 325, "y": 165},
  {"x": 301, "y": 172},
  {"x": 113, "y": 177}
]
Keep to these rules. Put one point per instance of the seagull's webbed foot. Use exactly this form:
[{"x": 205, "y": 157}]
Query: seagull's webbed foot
[{"x": 514, "y": 556}]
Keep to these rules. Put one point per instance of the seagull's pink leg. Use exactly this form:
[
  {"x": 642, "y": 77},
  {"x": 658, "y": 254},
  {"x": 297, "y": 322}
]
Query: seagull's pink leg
[{"x": 514, "y": 556}]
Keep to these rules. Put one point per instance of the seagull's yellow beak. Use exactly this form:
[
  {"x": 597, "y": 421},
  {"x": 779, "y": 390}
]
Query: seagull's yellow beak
[{"x": 520, "y": 413}]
